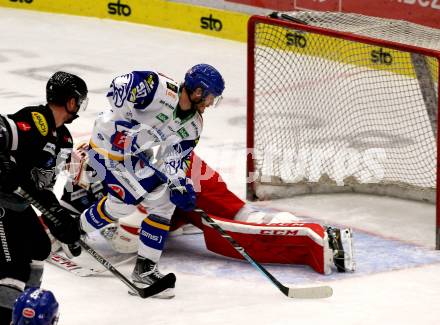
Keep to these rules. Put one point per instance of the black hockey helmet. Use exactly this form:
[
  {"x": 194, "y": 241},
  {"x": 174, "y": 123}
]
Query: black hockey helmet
[{"x": 62, "y": 86}]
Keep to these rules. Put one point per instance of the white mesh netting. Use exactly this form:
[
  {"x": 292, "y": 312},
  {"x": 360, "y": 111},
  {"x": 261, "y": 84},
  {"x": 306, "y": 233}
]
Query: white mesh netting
[{"x": 332, "y": 114}]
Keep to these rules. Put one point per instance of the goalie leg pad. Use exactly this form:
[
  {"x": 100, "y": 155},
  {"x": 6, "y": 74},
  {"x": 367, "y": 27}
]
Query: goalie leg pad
[
  {"x": 293, "y": 243},
  {"x": 125, "y": 239}
]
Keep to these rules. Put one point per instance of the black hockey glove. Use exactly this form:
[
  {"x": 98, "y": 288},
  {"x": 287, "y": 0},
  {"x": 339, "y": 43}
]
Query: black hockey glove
[
  {"x": 8, "y": 174},
  {"x": 62, "y": 225}
]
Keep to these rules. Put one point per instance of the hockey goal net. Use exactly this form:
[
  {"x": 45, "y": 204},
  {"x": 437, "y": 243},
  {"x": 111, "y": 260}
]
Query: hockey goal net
[{"x": 342, "y": 102}]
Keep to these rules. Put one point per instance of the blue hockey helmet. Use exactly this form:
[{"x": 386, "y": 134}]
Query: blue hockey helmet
[
  {"x": 206, "y": 77},
  {"x": 35, "y": 306}
]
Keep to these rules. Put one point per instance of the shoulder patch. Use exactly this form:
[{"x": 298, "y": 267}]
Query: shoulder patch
[
  {"x": 40, "y": 123},
  {"x": 143, "y": 88},
  {"x": 24, "y": 126},
  {"x": 172, "y": 87}
]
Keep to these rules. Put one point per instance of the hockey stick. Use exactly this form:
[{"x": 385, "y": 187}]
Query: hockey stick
[
  {"x": 166, "y": 282},
  {"x": 305, "y": 293},
  {"x": 69, "y": 265},
  {"x": 310, "y": 292}
]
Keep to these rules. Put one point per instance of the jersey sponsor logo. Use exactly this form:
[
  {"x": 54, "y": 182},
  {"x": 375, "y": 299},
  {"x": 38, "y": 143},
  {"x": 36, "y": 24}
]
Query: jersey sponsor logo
[
  {"x": 28, "y": 312},
  {"x": 118, "y": 8},
  {"x": 183, "y": 133},
  {"x": 381, "y": 57},
  {"x": 100, "y": 136},
  {"x": 120, "y": 140},
  {"x": 162, "y": 117},
  {"x": 118, "y": 190},
  {"x": 172, "y": 87},
  {"x": 171, "y": 94},
  {"x": 24, "y": 126},
  {"x": 40, "y": 123},
  {"x": 166, "y": 104},
  {"x": 211, "y": 23},
  {"x": 50, "y": 148},
  {"x": 196, "y": 128},
  {"x": 155, "y": 238},
  {"x": 157, "y": 134},
  {"x": 296, "y": 39},
  {"x": 78, "y": 194}
]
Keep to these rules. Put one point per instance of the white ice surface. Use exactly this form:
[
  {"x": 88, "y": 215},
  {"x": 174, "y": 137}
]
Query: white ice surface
[{"x": 398, "y": 281}]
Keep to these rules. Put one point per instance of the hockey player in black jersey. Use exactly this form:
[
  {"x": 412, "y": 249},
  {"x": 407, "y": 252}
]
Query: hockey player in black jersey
[{"x": 34, "y": 143}]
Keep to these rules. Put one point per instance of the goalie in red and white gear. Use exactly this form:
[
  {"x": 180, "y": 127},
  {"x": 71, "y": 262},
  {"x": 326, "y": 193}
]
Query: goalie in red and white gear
[{"x": 270, "y": 236}]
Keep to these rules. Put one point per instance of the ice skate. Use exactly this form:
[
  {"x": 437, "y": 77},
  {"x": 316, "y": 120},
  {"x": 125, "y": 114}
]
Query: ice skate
[
  {"x": 340, "y": 241},
  {"x": 147, "y": 272}
]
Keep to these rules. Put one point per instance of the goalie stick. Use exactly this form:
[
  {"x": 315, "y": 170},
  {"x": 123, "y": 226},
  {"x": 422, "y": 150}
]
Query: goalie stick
[
  {"x": 166, "y": 282},
  {"x": 69, "y": 265},
  {"x": 304, "y": 293}
]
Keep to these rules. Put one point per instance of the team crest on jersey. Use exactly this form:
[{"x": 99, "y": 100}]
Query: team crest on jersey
[
  {"x": 119, "y": 89},
  {"x": 40, "y": 123}
]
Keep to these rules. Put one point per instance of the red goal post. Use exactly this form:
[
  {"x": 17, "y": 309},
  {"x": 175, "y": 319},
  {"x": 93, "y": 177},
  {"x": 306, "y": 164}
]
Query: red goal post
[{"x": 342, "y": 103}]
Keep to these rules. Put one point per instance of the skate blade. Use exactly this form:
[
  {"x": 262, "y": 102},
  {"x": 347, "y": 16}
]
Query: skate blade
[{"x": 166, "y": 294}]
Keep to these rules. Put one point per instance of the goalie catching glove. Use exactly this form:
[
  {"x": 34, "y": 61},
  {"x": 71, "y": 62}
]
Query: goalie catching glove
[{"x": 182, "y": 193}]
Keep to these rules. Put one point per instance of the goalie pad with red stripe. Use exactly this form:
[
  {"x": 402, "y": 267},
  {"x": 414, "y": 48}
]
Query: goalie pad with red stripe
[{"x": 294, "y": 243}]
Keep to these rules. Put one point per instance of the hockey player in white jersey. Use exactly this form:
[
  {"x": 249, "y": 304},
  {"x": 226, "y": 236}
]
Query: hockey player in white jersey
[{"x": 149, "y": 110}]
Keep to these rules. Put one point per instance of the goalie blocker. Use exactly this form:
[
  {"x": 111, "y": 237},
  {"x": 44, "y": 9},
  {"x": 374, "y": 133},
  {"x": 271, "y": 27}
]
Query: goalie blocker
[{"x": 269, "y": 236}]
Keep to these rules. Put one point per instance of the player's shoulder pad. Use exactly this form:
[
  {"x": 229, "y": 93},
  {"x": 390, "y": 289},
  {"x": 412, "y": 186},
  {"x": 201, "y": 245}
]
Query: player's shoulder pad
[{"x": 38, "y": 120}]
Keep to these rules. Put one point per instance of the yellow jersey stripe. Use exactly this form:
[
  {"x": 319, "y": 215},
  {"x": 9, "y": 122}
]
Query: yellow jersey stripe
[
  {"x": 105, "y": 153},
  {"x": 156, "y": 224},
  {"x": 101, "y": 212}
]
